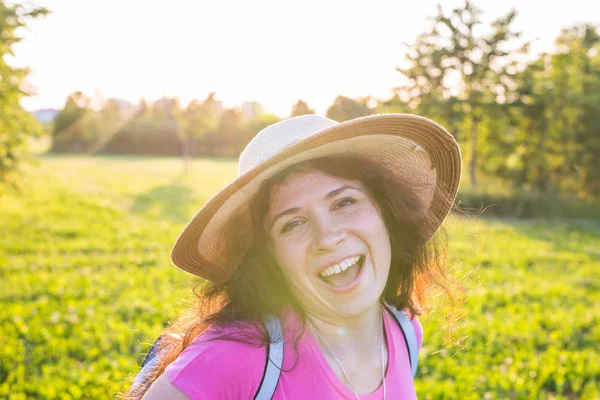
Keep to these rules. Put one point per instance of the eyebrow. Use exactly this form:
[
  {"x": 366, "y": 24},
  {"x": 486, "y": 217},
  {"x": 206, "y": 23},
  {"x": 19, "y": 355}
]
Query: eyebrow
[{"x": 328, "y": 196}]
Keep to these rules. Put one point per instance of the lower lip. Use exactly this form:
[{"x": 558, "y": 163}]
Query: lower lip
[{"x": 352, "y": 285}]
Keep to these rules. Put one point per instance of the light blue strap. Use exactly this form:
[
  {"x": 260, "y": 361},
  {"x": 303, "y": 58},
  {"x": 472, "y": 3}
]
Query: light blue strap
[
  {"x": 149, "y": 364},
  {"x": 409, "y": 334},
  {"x": 274, "y": 359}
]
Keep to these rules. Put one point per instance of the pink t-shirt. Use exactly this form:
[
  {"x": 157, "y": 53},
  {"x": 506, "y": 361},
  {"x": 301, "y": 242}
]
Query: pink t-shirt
[{"x": 223, "y": 369}]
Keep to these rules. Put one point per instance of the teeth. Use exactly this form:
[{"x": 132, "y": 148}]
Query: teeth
[{"x": 342, "y": 266}]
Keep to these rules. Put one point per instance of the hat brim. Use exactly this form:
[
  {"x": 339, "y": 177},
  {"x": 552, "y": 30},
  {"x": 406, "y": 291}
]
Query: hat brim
[{"x": 415, "y": 147}]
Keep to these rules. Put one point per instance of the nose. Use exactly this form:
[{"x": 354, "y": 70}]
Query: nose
[{"x": 326, "y": 234}]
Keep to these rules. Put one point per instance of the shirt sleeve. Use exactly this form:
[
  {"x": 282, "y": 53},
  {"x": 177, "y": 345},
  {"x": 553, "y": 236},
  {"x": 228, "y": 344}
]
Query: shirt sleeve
[{"x": 218, "y": 369}]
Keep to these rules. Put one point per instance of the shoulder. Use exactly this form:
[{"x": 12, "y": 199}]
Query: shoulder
[
  {"x": 163, "y": 389},
  {"x": 218, "y": 369}
]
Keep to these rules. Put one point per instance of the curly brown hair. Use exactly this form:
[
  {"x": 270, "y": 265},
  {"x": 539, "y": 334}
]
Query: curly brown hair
[{"x": 257, "y": 287}]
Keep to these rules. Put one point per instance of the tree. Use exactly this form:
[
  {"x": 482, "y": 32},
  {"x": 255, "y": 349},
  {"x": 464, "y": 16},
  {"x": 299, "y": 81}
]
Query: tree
[
  {"x": 455, "y": 71},
  {"x": 105, "y": 123},
  {"x": 557, "y": 138},
  {"x": 528, "y": 150},
  {"x": 70, "y": 132},
  {"x": 345, "y": 108},
  {"x": 142, "y": 108},
  {"x": 228, "y": 129},
  {"x": 75, "y": 107},
  {"x": 198, "y": 119},
  {"x": 301, "y": 108},
  {"x": 16, "y": 124},
  {"x": 574, "y": 76},
  {"x": 588, "y": 135}
]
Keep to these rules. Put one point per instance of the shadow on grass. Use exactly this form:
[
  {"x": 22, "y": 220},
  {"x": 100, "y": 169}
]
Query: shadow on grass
[
  {"x": 571, "y": 235},
  {"x": 167, "y": 201}
]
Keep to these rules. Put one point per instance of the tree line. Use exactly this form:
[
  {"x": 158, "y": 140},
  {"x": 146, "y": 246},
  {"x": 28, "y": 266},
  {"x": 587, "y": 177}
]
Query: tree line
[
  {"x": 530, "y": 120},
  {"x": 165, "y": 127}
]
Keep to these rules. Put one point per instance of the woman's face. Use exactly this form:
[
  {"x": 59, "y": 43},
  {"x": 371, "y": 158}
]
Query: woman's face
[{"x": 329, "y": 239}]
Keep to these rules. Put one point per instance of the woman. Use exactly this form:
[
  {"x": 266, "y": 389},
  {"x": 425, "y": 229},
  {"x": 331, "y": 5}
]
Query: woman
[{"x": 329, "y": 231}]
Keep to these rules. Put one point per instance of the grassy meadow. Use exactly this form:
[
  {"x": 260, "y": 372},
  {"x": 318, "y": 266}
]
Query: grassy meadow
[{"x": 86, "y": 284}]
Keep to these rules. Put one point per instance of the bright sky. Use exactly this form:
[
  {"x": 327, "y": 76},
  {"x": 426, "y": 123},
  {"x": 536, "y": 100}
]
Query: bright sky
[{"x": 271, "y": 51}]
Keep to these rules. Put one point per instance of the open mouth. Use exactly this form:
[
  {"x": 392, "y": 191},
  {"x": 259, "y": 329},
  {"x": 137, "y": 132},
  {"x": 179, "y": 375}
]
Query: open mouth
[{"x": 344, "y": 273}]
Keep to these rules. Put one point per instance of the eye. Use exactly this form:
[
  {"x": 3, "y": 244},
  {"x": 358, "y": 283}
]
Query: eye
[
  {"x": 346, "y": 201},
  {"x": 288, "y": 226}
]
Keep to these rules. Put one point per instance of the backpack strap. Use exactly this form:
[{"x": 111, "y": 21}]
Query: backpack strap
[
  {"x": 151, "y": 356},
  {"x": 410, "y": 336},
  {"x": 149, "y": 362},
  {"x": 274, "y": 363},
  {"x": 270, "y": 378}
]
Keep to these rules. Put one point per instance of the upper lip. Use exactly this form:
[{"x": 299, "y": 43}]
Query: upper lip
[{"x": 324, "y": 267}]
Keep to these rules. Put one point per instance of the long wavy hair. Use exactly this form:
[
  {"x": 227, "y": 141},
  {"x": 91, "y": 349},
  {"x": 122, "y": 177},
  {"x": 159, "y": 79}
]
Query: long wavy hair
[{"x": 257, "y": 287}]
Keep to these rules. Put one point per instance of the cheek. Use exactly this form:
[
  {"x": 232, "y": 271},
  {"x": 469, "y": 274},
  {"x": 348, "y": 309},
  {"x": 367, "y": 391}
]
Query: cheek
[
  {"x": 288, "y": 257},
  {"x": 369, "y": 221},
  {"x": 374, "y": 227}
]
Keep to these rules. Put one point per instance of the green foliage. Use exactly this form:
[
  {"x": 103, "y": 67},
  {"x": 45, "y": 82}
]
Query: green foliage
[
  {"x": 533, "y": 124},
  {"x": 79, "y": 129},
  {"x": 200, "y": 117},
  {"x": 229, "y": 128},
  {"x": 75, "y": 108},
  {"x": 345, "y": 108},
  {"x": 459, "y": 76},
  {"x": 165, "y": 128},
  {"x": 16, "y": 124},
  {"x": 233, "y": 132},
  {"x": 87, "y": 286},
  {"x": 554, "y": 145},
  {"x": 145, "y": 134},
  {"x": 154, "y": 129}
]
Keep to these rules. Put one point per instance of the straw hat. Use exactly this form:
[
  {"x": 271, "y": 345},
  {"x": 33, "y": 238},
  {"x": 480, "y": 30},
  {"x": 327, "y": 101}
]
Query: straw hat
[{"x": 418, "y": 149}]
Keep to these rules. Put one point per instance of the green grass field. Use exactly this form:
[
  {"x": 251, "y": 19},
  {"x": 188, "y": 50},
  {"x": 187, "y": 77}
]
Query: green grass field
[{"x": 86, "y": 284}]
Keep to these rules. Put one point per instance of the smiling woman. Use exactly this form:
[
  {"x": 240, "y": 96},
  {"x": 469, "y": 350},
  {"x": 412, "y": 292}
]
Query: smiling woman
[{"x": 316, "y": 260}]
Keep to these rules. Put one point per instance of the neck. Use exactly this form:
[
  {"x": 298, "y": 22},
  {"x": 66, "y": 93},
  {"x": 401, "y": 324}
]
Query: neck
[{"x": 359, "y": 334}]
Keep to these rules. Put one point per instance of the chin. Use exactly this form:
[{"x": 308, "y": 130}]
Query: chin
[{"x": 356, "y": 307}]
